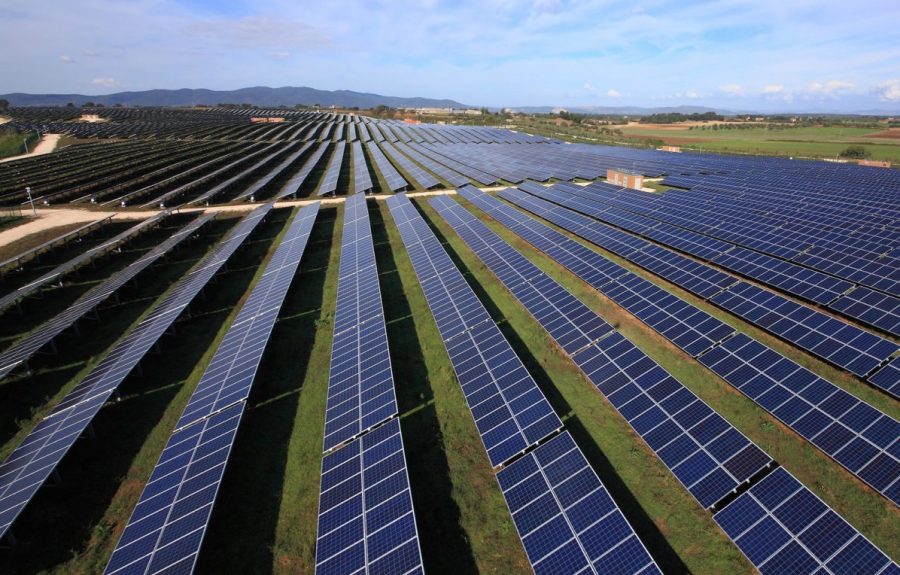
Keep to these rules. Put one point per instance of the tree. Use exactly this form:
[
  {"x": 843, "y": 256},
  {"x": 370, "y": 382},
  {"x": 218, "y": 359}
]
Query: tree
[
  {"x": 88, "y": 105},
  {"x": 4, "y": 103},
  {"x": 70, "y": 105},
  {"x": 856, "y": 153}
]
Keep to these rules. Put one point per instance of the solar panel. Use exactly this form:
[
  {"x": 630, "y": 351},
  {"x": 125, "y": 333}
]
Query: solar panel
[
  {"x": 888, "y": 377},
  {"x": 509, "y": 409},
  {"x": 566, "y": 519},
  {"x": 366, "y": 522},
  {"x": 166, "y": 528},
  {"x": 360, "y": 385},
  {"x": 19, "y": 352},
  {"x": 232, "y": 370},
  {"x": 33, "y": 461},
  {"x": 415, "y": 173},
  {"x": 329, "y": 182},
  {"x": 856, "y": 435},
  {"x": 393, "y": 178},
  {"x": 782, "y": 527},
  {"x": 709, "y": 456},
  {"x": 362, "y": 181},
  {"x": 293, "y": 186},
  {"x": 262, "y": 182},
  {"x": 77, "y": 261},
  {"x": 845, "y": 345},
  {"x": 437, "y": 168}
]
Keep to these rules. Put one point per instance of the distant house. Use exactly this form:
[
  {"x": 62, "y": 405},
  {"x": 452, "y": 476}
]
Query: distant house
[
  {"x": 624, "y": 179},
  {"x": 874, "y": 163},
  {"x": 561, "y": 110},
  {"x": 434, "y": 110},
  {"x": 473, "y": 112},
  {"x": 671, "y": 149}
]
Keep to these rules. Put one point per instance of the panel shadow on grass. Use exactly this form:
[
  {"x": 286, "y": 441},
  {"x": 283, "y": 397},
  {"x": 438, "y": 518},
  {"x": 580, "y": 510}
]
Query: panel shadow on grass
[
  {"x": 444, "y": 543},
  {"x": 242, "y": 528}
]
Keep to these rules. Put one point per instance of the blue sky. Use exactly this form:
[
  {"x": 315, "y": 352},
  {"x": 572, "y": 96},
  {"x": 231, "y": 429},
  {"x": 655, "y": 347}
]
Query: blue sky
[{"x": 732, "y": 54}]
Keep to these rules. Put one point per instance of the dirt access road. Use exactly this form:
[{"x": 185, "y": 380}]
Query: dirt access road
[{"x": 46, "y": 145}]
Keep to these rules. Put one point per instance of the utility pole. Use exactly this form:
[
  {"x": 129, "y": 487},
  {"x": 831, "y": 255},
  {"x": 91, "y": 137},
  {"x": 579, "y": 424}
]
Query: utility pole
[{"x": 31, "y": 201}]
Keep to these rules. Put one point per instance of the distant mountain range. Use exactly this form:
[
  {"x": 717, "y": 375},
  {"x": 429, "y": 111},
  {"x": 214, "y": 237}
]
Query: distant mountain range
[
  {"x": 289, "y": 96},
  {"x": 258, "y": 96}
]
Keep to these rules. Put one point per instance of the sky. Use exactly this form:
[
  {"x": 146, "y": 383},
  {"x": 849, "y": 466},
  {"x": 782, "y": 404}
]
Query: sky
[{"x": 739, "y": 55}]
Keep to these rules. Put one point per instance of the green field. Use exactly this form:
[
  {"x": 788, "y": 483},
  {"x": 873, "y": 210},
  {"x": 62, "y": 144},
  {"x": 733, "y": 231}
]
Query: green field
[
  {"x": 265, "y": 519},
  {"x": 807, "y": 142}
]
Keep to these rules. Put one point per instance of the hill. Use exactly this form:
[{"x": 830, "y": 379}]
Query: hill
[{"x": 259, "y": 96}]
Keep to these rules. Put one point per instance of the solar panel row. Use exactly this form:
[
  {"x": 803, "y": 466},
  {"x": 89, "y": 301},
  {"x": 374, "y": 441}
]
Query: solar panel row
[
  {"x": 782, "y": 527},
  {"x": 362, "y": 180},
  {"x": 417, "y": 174},
  {"x": 842, "y": 344},
  {"x": 366, "y": 520},
  {"x": 33, "y": 461},
  {"x": 19, "y": 352},
  {"x": 360, "y": 384},
  {"x": 708, "y": 455},
  {"x": 566, "y": 519},
  {"x": 329, "y": 182},
  {"x": 393, "y": 178},
  {"x": 509, "y": 409},
  {"x": 166, "y": 529},
  {"x": 774, "y": 381},
  {"x": 87, "y": 256}
]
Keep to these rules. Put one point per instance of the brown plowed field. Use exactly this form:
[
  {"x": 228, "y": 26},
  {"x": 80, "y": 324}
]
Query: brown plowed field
[{"x": 889, "y": 134}]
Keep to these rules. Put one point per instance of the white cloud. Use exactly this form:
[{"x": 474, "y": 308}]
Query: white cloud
[
  {"x": 613, "y": 94},
  {"x": 280, "y": 55},
  {"x": 775, "y": 92},
  {"x": 256, "y": 32},
  {"x": 66, "y": 59},
  {"x": 887, "y": 91},
  {"x": 91, "y": 53},
  {"x": 589, "y": 88},
  {"x": 732, "y": 90},
  {"x": 106, "y": 82},
  {"x": 691, "y": 94},
  {"x": 831, "y": 89}
]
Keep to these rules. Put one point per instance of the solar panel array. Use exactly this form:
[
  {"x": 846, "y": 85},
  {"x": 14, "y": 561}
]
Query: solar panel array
[
  {"x": 563, "y": 514},
  {"x": 509, "y": 409},
  {"x": 77, "y": 261},
  {"x": 706, "y": 453},
  {"x": 830, "y": 418},
  {"x": 360, "y": 384},
  {"x": 840, "y": 343},
  {"x": 34, "y": 460},
  {"x": 393, "y": 178},
  {"x": 366, "y": 520},
  {"x": 621, "y": 372},
  {"x": 293, "y": 186},
  {"x": 565, "y": 517},
  {"x": 442, "y": 171},
  {"x": 362, "y": 180},
  {"x": 782, "y": 527},
  {"x": 18, "y": 353},
  {"x": 329, "y": 182},
  {"x": 417, "y": 174},
  {"x": 261, "y": 183},
  {"x": 856, "y": 435},
  {"x": 166, "y": 529}
]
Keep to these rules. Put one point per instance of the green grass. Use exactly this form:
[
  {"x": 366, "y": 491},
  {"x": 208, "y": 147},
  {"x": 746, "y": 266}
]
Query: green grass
[{"x": 13, "y": 144}]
